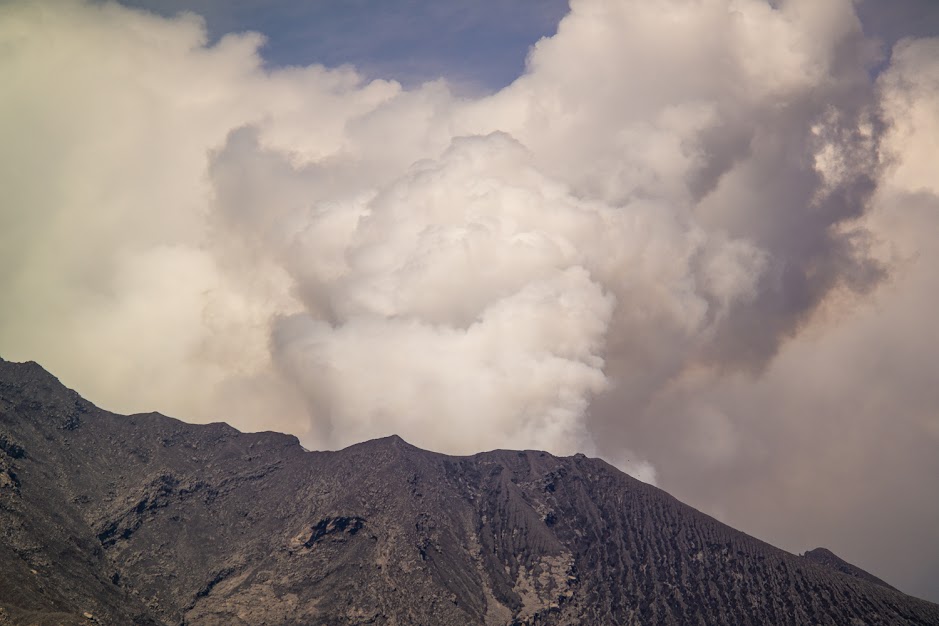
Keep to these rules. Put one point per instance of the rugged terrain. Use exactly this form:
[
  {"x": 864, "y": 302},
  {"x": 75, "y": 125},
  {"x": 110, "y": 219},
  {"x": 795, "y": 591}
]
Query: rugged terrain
[{"x": 143, "y": 519}]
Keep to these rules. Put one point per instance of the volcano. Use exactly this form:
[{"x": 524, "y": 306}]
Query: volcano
[{"x": 144, "y": 519}]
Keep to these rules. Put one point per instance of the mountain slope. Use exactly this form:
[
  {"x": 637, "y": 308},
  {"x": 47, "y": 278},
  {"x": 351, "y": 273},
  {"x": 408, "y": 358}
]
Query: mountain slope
[
  {"x": 145, "y": 519},
  {"x": 830, "y": 559}
]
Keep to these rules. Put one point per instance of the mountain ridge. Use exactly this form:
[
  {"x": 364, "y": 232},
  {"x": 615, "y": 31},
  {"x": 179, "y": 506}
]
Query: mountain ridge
[{"x": 148, "y": 520}]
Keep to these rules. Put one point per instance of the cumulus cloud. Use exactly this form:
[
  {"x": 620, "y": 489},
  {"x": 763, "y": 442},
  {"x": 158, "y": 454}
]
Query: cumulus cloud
[{"x": 690, "y": 238}]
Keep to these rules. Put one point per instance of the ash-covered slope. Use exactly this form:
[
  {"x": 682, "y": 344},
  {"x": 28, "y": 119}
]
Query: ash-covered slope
[
  {"x": 147, "y": 520},
  {"x": 829, "y": 558}
]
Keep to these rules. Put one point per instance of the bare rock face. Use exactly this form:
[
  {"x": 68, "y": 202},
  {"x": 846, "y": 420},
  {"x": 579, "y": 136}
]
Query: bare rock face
[{"x": 143, "y": 519}]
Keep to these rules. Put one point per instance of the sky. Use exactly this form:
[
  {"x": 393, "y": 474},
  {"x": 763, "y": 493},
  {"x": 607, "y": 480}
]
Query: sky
[
  {"x": 476, "y": 45},
  {"x": 691, "y": 237}
]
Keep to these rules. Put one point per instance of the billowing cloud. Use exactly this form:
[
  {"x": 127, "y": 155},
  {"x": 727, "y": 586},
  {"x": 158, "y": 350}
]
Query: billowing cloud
[{"x": 691, "y": 238}]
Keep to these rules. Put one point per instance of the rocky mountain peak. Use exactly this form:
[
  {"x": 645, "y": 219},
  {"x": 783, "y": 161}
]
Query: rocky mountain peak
[{"x": 144, "y": 519}]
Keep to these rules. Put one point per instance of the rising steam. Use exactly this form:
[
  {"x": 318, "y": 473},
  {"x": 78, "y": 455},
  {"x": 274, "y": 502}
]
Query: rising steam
[{"x": 468, "y": 273}]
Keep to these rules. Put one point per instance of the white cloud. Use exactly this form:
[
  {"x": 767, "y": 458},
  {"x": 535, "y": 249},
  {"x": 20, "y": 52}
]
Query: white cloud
[{"x": 185, "y": 176}]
